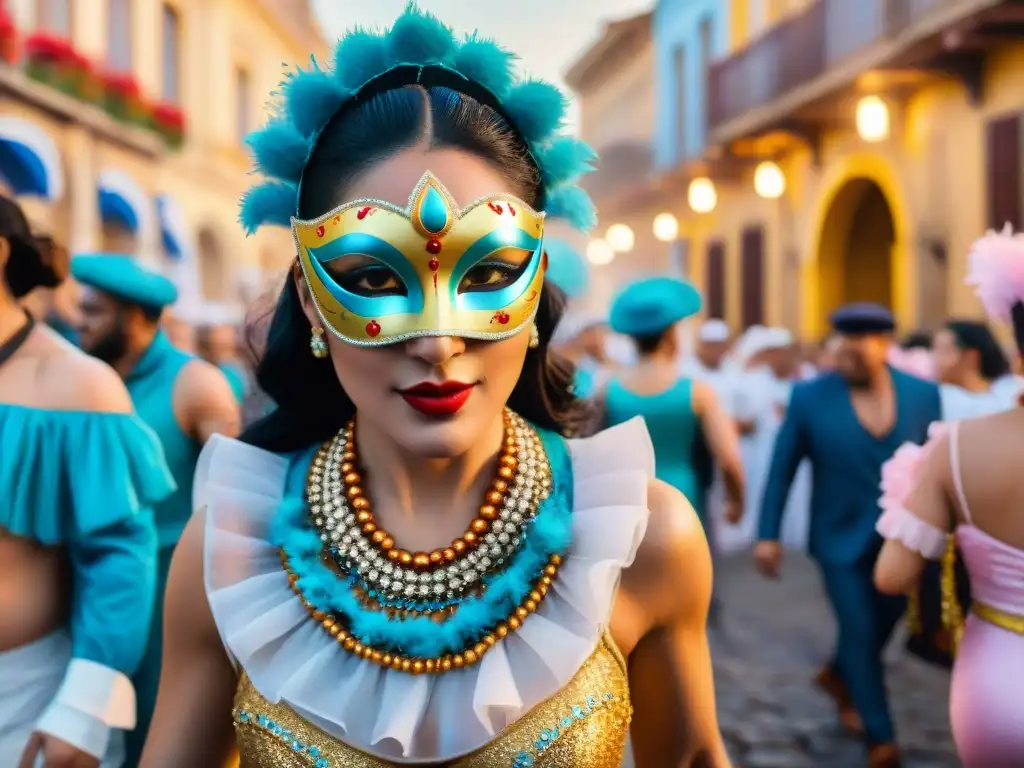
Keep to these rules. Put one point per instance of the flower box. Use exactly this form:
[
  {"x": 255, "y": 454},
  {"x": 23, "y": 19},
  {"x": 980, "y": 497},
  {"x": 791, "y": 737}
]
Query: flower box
[
  {"x": 122, "y": 98},
  {"x": 54, "y": 61},
  {"x": 169, "y": 122},
  {"x": 8, "y": 38}
]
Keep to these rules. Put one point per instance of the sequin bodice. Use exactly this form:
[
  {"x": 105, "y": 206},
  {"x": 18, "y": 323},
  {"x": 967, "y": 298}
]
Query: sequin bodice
[{"x": 584, "y": 724}]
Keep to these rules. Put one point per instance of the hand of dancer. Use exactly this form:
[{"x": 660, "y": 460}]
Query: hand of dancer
[
  {"x": 733, "y": 511},
  {"x": 55, "y": 754},
  {"x": 768, "y": 558}
]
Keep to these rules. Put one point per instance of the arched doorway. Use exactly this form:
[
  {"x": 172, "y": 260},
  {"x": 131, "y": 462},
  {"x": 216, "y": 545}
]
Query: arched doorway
[
  {"x": 855, "y": 249},
  {"x": 213, "y": 283}
]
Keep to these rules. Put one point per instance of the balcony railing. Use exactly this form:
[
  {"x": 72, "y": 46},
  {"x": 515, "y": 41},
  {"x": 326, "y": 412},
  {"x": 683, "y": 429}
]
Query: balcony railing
[{"x": 804, "y": 47}]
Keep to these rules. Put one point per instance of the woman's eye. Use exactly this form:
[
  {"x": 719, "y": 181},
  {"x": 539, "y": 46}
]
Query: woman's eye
[
  {"x": 489, "y": 277},
  {"x": 372, "y": 281}
]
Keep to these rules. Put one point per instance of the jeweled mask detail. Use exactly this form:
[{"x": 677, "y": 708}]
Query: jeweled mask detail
[{"x": 380, "y": 274}]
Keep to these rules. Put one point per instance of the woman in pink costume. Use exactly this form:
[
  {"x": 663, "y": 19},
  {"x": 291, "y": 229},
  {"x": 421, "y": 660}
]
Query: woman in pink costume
[{"x": 967, "y": 479}]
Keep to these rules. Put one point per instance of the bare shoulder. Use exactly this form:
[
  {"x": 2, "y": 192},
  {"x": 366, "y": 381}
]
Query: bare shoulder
[
  {"x": 74, "y": 381},
  {"x": 702, "y": 396},
  {"x": 675, "y": 546},
  {"x": 198, "y": 376}
]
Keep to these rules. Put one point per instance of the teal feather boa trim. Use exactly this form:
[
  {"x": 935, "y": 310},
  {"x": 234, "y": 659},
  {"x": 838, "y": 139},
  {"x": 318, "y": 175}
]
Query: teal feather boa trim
[
  {"x": 549, "y": 534},
  {"x": 311, "y": 97}
]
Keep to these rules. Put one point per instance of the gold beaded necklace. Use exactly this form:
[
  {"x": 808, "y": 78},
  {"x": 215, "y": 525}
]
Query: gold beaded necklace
[{"x": 478, "y": 527}]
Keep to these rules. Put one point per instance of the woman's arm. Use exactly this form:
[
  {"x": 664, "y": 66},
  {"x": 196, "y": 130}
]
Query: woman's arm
[
  {"x": 915, "y": 530},
  {"x": 723, "y": 441},
  {"x": 670, "y": 679},
  {"x": 192, "y": 725}
]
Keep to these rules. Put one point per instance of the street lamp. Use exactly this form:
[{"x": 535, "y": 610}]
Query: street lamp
[
  {"x": 620, "y": 238},
  {"x": 872, "y": 118},
  {"x": 666, "y": 227},
  {"x": 599, "y": 252},
  {"x": 769, "y": 181},
  {"x": 702, "y": 196}
]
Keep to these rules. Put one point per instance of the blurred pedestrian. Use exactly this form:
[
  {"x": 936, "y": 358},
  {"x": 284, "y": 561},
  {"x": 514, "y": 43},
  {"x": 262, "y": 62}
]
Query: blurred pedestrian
[
  {"x": 77, "y": 544},
  {"x": 847, "y": 424},
  {"x": 184, "y": 399}
]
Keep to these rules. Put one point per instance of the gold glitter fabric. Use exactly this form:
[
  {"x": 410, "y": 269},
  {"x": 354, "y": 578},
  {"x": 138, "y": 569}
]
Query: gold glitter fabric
[{"x": 583, "y": 725}]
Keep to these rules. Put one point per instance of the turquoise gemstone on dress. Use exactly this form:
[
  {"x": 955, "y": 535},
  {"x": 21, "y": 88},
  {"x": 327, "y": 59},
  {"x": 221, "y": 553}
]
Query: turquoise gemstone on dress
[
  {"x": 433, "y": 211},
  {"x": 314, "y": 751},
  {"x": 321, "y": 763}
]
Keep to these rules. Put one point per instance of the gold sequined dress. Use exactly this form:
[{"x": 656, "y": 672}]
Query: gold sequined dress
[{"x": 553, "y": 694}]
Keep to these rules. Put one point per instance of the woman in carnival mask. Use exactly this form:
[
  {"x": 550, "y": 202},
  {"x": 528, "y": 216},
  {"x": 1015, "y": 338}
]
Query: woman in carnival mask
[{"x": 407, "y": 562}]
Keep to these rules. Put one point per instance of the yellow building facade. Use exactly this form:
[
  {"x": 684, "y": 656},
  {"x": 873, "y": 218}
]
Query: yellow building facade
[
  {"x": 614, "y": 83},
  {"x": 896, "y": 127},
  {"x": 105, "y": 185}
]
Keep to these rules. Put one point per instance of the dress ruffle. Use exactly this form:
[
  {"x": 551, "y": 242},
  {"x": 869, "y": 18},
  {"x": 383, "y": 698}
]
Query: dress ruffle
[
  {"x": 900, "y": 475},
  {"x": 66, "y": 474},
  {"x": 394, "y": 715}
]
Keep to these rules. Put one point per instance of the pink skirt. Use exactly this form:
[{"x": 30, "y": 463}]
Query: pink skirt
[{"x": 986, "y": 700}]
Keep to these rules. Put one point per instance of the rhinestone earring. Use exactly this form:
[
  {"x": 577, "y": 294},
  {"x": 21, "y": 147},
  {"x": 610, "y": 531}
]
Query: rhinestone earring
[
  {"x": 317, "y": 345},
  {"x": 534, "y": 336}
]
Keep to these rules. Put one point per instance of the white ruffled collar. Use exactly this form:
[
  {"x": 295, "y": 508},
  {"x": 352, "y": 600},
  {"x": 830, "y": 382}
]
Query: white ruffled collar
[{"x": 394, "y": 715}]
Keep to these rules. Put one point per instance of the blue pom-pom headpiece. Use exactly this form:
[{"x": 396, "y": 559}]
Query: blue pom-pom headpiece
[{"x": 418, "y": 50}]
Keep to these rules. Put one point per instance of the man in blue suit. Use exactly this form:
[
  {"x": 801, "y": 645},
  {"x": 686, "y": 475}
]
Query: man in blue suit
[{"x": 847, "y": 423}]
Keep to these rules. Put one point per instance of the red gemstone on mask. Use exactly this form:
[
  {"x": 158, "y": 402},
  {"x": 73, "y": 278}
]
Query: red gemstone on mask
[
  {"x": 362, "y": 213},
  {"x": 433, "y": 245},
  {"x": 511, "y": 209},
  {"x": 320, "y": 231},
  {"x": 496, "y": 208},
  {"x": 503, "y": 318},
  {"x": 372, "y": 328},
  {"x": 434, "y": 265}
]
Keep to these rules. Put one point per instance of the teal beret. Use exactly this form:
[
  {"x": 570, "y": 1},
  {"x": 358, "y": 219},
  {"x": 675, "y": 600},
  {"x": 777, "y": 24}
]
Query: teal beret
[
  {"x": 566, "y": 268},
  {"x": 652, "y": 306},
  {"x": 124, "y": 278}
]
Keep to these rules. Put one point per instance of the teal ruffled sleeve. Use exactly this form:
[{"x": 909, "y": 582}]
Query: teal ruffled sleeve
[
  {"x": 67, "y": 474},
  {"x": 86, "y": 481}
]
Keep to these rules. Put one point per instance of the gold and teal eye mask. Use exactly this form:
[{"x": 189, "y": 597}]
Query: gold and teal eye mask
[{"x": 380, "y": 274}]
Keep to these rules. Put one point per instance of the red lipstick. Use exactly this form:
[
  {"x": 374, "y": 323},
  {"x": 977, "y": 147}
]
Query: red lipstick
[{"x": 442, "y": 399}]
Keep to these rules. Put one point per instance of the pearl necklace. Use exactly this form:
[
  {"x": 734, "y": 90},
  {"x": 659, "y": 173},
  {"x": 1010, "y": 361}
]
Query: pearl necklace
[{"x": 393, "y": 577}]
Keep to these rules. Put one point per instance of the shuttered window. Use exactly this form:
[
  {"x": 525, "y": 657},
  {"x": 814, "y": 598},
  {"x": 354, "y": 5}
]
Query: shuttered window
[
  {"x": 752, "y": 276},
  {"x": 715, "y": 275},
  {"x": 1003, "y": 170}
]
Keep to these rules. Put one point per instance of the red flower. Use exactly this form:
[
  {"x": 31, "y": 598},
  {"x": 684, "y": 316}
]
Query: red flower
[
  {"x": 168, "y": 116},
  {"x": 42, "y": 45},
  {"x": 122, "y": 84}
]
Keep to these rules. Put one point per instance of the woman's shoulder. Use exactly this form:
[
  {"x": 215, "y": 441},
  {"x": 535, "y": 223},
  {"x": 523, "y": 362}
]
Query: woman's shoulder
[{"x": 71, "y": 380}]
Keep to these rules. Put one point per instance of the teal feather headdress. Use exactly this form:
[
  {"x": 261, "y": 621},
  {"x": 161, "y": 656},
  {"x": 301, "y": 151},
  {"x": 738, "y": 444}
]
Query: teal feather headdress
[{"x": 417, "y": 49}]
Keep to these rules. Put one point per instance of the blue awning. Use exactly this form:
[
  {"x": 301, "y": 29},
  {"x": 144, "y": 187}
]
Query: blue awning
[
  {"x": 173, "y": 227},
  {"x": 30, "y": 162},
  {"x": 122, "y": 201}
]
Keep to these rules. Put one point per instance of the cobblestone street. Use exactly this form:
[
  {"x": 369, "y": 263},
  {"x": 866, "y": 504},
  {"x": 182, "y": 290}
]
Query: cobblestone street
[{"x": 769, "y": 641}]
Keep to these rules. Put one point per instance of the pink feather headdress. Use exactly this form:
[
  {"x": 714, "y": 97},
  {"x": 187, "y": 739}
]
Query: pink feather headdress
[{"x": 996, "y": 270}]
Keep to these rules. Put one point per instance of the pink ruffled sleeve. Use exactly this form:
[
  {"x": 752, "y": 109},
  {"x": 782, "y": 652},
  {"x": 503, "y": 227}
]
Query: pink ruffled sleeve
[{"x": 897, "y": 523}]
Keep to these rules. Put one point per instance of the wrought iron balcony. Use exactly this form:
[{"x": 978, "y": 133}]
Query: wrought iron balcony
[{"x": 817, "y": 51}]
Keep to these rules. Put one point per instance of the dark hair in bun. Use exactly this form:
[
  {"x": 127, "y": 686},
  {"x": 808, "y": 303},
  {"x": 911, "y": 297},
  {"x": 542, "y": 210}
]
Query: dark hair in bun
[{"x": 27, "y": 267}]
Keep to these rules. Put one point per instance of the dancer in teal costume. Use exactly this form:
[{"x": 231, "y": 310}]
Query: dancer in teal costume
[
  {"x": 78, "y": 472},
  {"x": 676, "y": 409},
  {"x": 182, "y": 398}
]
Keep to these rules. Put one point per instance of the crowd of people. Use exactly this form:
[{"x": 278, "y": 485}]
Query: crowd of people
[
  {"x": 205, "y": 560},
  {"x": 781, "y": 446}
]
